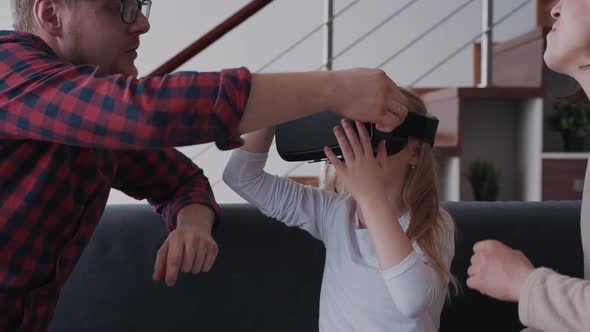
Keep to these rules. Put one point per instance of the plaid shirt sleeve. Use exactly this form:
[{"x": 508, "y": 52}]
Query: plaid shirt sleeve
[
  {"x": 44, "y": 98},
  {"x": 167, "y": 178}
]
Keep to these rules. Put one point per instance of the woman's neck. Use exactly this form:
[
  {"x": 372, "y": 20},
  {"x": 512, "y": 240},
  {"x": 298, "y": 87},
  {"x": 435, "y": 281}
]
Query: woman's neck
[
  {"x": 584, "y": 81},
  {"x": 582, "y": 75}
]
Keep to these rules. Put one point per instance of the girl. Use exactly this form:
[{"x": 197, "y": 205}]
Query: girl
[{"x": 388, "y": 243}]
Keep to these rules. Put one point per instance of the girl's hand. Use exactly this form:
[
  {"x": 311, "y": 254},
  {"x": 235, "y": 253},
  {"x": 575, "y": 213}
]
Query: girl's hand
[{"x": 363, "y": 174}]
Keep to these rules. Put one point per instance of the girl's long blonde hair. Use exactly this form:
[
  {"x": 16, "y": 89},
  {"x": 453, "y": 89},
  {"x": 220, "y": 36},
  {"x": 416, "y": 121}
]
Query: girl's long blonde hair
[{"x": 429, "y": 225}]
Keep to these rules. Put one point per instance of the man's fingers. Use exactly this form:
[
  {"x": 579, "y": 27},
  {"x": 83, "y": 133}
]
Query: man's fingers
[
  {"x": 399, "y": 111},
  {"x": 160, "y": 265},
  {"x": 200, "y": 258},
  {"x": 211, "y": 256},
  {"x": 400, "y": 101},
  {"x": 388, "y": 122},
  {"x": 188, "y": 258},
  {"x": 173, "y": 261}
]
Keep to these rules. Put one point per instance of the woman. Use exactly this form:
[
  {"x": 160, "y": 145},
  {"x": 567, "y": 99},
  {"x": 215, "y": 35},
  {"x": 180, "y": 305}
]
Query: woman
[{"x": 547, "y": 300}]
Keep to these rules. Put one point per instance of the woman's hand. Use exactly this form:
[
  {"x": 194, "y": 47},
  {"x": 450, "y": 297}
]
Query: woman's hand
[
  {"x": 363, "y": 174},
  {"x": 498, "y": 271}
]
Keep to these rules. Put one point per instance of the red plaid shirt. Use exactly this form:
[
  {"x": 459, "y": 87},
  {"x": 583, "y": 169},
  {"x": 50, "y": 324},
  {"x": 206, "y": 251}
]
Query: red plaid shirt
[{"x": 69, "y": 134}]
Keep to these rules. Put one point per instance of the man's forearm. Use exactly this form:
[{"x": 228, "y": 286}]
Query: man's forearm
[
  {"x": 366, "y": 95},
  {"x": 277, "y": 98}
]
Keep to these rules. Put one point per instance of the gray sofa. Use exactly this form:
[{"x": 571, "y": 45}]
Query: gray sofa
[{"x": 267, "y": 277}]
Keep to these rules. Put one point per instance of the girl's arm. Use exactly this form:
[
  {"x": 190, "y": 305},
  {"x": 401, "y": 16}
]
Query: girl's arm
[
  {"x": 363, "y": 176},
  {"x": 259, "y": 141},
  {"x": 390, "y": 240},
  {"x": 412, "y": 281},
  {"x": 280, "y": 198},
  {"x": 415, "y": 285}
]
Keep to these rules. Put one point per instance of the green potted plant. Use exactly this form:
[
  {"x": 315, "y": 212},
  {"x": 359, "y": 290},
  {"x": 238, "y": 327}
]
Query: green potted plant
[
  {"x": 484, "y": 177},
  {"x": 573, "y": 121}
]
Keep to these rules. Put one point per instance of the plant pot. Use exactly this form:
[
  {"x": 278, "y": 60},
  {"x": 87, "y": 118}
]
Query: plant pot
[
  {"x": 574, "y": 143},
  {"x": 485, "y": 192}
]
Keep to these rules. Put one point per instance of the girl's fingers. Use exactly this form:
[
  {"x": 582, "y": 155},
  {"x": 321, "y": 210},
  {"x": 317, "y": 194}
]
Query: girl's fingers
[
  {"x": 364, "y": 136},
  {"x": 347, "y": 151},
  {"x": 353, "y": 138},
  {"x": 338, "y": 164},
  {"x": 381, "y": 152}
]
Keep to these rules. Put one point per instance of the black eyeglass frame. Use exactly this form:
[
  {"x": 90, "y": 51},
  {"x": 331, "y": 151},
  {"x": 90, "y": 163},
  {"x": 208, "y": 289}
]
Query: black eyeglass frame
[{"x": 140, "y": 4}]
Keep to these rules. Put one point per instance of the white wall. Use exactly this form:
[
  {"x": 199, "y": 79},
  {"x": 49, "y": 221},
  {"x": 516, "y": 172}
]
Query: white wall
[{"x": 284, "y": 21}]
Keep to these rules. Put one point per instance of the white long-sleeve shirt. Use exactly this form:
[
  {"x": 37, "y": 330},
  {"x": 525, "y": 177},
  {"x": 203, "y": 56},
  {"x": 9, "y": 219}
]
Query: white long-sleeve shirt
[
  {"x": 552, "y": 302},
  {"x": 356, "y": 295}
]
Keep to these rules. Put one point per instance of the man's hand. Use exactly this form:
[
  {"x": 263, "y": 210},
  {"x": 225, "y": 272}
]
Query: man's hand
[
  {"x": 369, "y": 95},
  {"x": 190, "y": 247},
  {"x": 498, "y": 271}
]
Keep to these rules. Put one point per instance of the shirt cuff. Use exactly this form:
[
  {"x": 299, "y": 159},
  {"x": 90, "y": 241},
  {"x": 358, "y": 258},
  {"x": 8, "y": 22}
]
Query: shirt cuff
[
  {"x": 234, "y": 91},
  {"x": 232, "y": 143},
  {"x": 171, "y": 219},
  {"x": 526, "y": 303}
]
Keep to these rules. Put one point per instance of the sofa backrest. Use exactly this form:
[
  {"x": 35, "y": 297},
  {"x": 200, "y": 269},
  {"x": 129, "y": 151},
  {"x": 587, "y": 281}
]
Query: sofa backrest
[
  {"x": 267, "y": 277},
  {"x": 547, "y": 232}
]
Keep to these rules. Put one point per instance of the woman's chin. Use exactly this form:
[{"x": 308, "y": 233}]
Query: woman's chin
[{"x": 553, "y": 62}]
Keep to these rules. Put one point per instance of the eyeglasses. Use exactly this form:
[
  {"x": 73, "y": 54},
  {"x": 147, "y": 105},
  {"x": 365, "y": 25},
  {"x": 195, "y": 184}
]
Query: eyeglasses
[{"x": 130, "y": 9}]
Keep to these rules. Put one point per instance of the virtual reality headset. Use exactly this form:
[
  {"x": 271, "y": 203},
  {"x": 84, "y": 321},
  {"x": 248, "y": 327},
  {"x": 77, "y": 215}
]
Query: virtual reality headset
[{"x": 305, "y": 139}]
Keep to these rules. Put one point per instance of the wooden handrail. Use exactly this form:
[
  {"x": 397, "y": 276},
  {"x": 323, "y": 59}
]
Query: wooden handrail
[{"x": 210, "y": 37}]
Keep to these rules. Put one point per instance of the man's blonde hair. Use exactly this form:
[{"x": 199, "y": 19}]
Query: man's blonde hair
[{"x": 22, "y": 15}]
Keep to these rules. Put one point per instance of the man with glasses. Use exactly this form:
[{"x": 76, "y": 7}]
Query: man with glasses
[{"x": 75, "y": 121}]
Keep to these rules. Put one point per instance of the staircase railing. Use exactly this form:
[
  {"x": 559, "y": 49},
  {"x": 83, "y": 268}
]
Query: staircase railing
[
  {"x": 210, "y": 37},
  {"x": 256, "y": 5}
]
